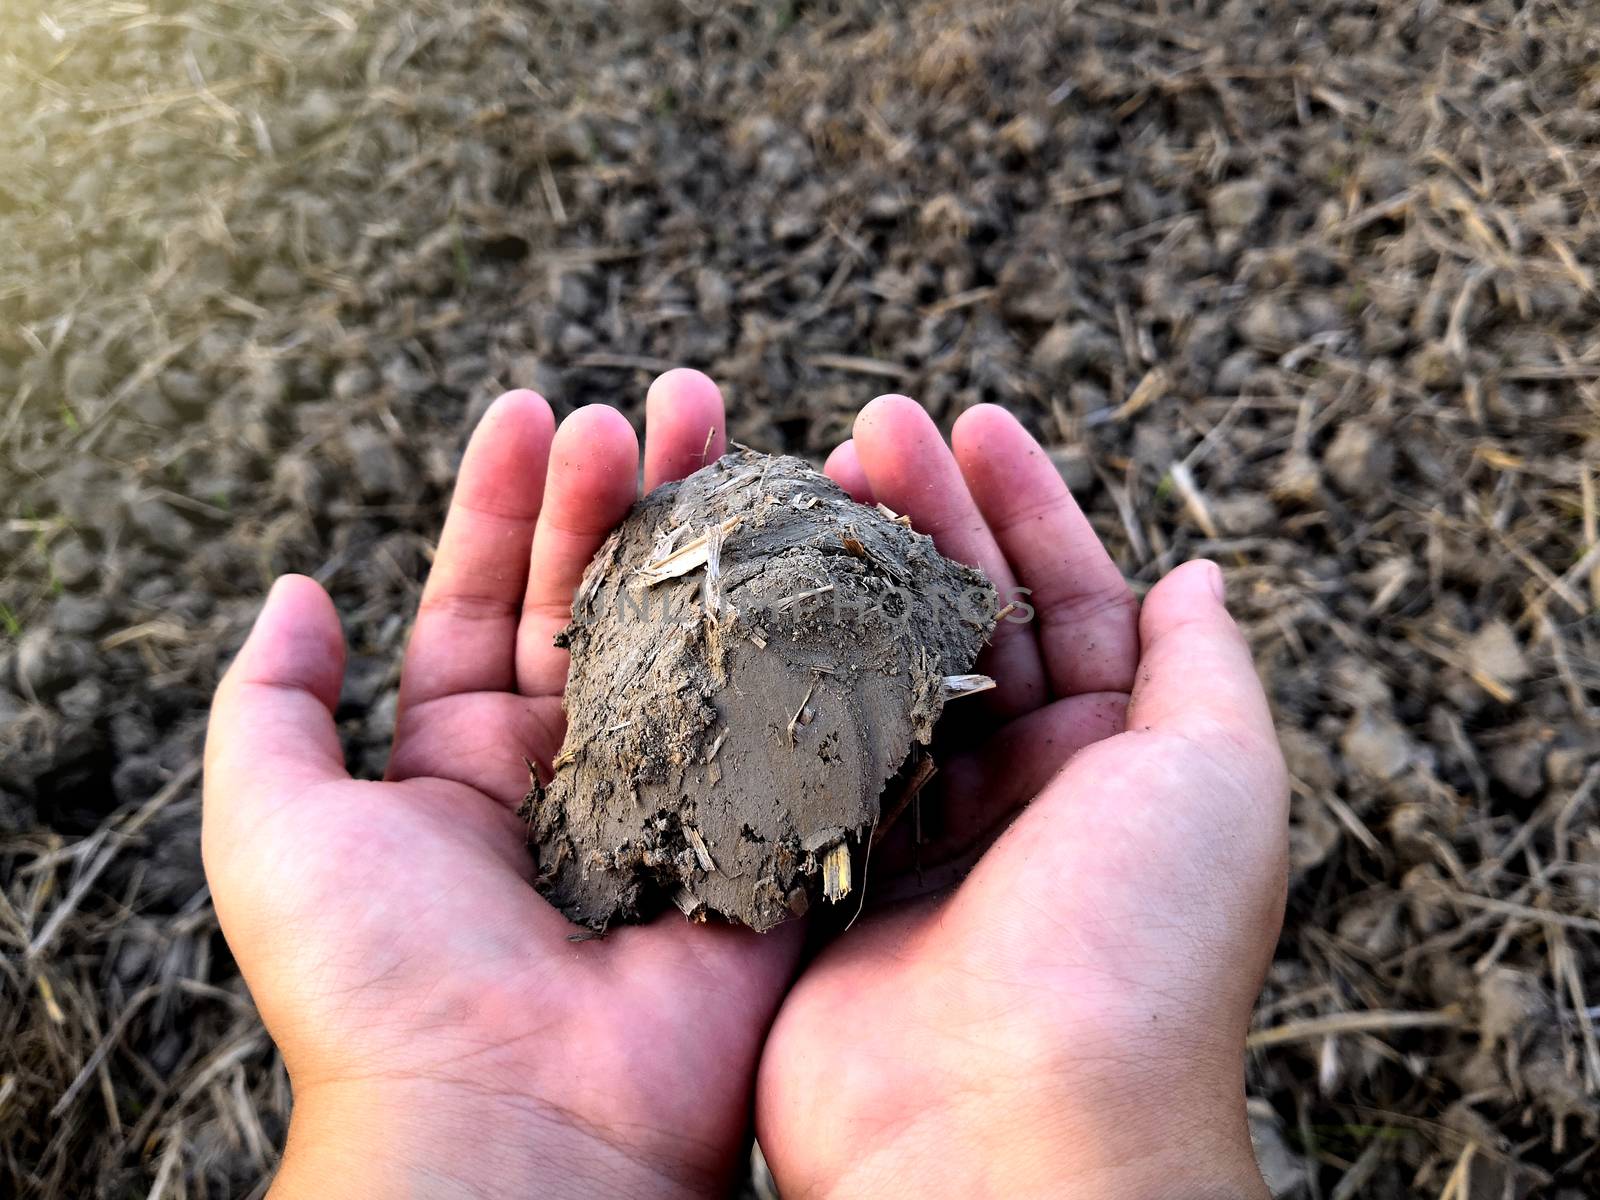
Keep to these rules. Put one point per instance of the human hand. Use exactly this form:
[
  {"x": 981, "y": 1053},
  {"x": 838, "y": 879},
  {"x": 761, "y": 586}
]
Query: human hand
[
  {"x": 443, "y": 1034},
  {"x": 1070, "y": 1019}
]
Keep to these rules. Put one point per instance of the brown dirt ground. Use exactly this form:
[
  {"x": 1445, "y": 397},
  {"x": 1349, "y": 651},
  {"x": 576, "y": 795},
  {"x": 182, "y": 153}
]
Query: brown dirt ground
[{"x": 1303, "y": 289}]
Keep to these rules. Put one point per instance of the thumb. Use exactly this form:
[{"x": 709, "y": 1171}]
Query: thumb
[
  {"x": 271, "y": 733},
  {"x": 1196, "y": 676}
]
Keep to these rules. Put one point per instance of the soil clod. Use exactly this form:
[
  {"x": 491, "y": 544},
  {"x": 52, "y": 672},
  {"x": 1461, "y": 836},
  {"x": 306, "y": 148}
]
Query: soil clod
[{"x": 753, "y": 657}]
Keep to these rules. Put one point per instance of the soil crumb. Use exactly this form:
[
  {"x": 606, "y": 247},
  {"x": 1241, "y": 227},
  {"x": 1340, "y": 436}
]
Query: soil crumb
[{"x": 753, "y": 656}]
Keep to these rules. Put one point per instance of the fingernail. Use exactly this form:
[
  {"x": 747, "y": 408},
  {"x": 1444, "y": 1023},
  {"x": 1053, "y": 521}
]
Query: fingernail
[{"x": 1219, "y": 586}]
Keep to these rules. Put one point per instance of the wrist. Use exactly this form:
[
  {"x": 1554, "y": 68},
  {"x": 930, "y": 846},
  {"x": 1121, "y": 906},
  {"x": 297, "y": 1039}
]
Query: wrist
[
  {"x": 935, "y": 1169},
  {"x": 1183, "y": 1145},
  {"x": 395, "y": 1139},
  {"x": 1183, "y": 1173},
  {"x": 1156, "y": 1147}
]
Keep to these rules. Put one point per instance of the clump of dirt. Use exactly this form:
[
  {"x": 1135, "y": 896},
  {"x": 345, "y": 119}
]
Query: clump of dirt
[{"x": 753, "y": 656}]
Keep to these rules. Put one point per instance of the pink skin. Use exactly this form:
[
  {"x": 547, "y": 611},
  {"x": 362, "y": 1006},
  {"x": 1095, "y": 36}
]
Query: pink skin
[
  {"x": 439, "y": 1027},
  {"x": 844, "y": 468},
  {"x": 1068, "y": 1019}
]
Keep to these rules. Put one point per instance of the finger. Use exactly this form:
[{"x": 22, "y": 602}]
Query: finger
[
  {"x": 683, "y": 426},
  {"x": 484, "y": 742},
  {"x": 975, "y": 794},
  {"x": 911, "y": 470},
  {"x": 271, "y": 733},
  {"x": 466, "y": 626},
  {"x": 594, "y": 466},
  {"x": 1196, "y": 677},
  {"x": 844, "y": 468},
  {"x": 1087, "y": 618},
  {"x": 1014, "y": 765}
]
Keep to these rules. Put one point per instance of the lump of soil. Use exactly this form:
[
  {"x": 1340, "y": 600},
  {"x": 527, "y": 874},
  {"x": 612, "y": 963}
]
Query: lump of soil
[{"x": 753, "y": 656}]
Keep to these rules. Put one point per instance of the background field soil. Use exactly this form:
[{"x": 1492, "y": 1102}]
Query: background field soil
[{"x": 1304, "y": 288}]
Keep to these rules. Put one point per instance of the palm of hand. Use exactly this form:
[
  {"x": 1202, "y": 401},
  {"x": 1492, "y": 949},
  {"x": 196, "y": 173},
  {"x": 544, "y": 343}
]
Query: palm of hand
[
  {"x": 392, "y": 941},
  {"x": 388, "y": 930},
  {"x": 1128, "y": 767}
]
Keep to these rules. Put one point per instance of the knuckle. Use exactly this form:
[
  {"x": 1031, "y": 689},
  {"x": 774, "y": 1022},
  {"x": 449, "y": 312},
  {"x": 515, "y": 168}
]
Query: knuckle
[
  {"x": 1115, "y": 600},
  {"x": 466, "y": 605}
]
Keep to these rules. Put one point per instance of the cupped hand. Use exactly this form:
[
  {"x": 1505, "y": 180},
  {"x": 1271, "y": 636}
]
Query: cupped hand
[
  {"x": 443, "y": 1032},
  {"x": 1069, "y": 1018}
]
